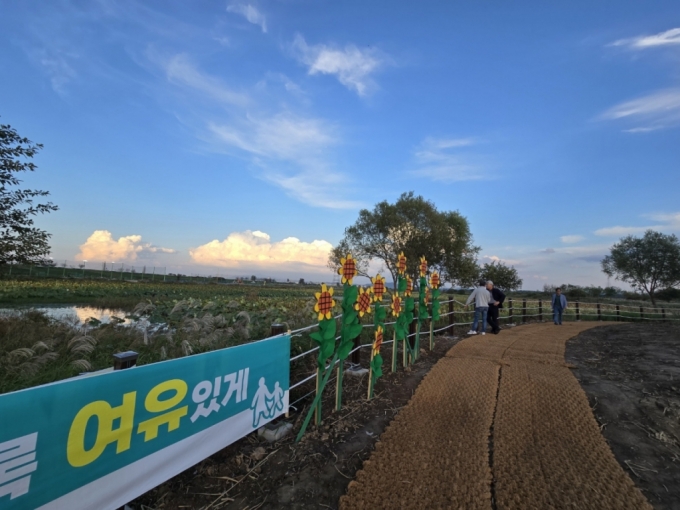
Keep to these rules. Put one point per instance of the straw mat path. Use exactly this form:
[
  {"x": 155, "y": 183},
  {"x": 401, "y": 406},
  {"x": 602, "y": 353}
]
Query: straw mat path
[{"x": 499, "y": 423}]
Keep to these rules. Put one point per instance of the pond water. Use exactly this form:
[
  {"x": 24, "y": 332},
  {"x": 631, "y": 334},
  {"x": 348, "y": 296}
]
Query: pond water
[{"x": 74, "y": 313}]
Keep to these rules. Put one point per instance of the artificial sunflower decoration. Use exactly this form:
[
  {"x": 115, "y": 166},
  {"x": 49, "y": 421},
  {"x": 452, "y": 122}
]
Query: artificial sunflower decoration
[
  {"x": 401, "y": 263},
  {"x": 427, "y": 297},
  {"x": 348, "y": 269},
  {"x": 434, "y": 280},
  {"x": 324, "y": 302},
  {"x": 423, "y": 267},
  {"x": 363, "y": 304},
  {"x": 378, "y": 340},
  {"x": 378, "y": 287},
  {"x": 396, "y": 305},
  {"x": 409, "y": 286}
]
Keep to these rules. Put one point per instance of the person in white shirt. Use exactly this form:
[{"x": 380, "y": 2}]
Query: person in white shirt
[{"x": 481, "y": 297}]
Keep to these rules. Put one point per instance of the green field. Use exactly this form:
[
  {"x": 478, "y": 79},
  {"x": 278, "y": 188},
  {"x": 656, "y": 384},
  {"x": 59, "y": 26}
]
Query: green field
[{"x": 180, "y": 319}]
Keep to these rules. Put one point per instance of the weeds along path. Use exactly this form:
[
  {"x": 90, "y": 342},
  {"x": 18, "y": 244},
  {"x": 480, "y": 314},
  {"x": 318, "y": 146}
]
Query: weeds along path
[{"x": 499, "y": 423}]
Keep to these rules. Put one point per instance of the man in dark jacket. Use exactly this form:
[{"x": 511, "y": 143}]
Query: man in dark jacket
[{"x": 494, "y": 305}]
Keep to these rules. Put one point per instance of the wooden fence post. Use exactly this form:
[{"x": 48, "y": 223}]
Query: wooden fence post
[
  {"x": 524, "y": 311},
  {"x": 642, "y": 312},
  {"x": 663, "y": 314},
  {"x": 599, "y": 312},
  {"x": 452, "y": 316},
  {"x": 540, "y": 310},
  {"x": 578, "y": 312},
  {"x": 394, "y": 352},
  {"x": 618, "y": 313},
  {"x": 510, "y": 312}
]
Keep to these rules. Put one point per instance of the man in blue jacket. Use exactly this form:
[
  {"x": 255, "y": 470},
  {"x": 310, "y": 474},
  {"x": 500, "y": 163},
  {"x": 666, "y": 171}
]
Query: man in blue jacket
[{"x": 559, "y": 304}]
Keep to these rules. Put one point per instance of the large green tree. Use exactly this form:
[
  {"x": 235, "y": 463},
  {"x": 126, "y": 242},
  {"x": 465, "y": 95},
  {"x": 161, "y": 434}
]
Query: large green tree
[
  {"x": 416, "y": 227},
  {"x": 20, "y": 240},
  {"x": 647, "y": 263},
  {"x": 504, "y": 277}
]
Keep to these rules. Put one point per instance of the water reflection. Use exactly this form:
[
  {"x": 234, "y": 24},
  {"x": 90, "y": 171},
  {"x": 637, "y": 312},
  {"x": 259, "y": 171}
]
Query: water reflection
[{"x": 79, "y": 314}]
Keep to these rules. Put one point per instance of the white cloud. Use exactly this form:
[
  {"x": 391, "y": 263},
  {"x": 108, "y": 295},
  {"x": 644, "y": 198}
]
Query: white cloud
[
  {"x": 441, "y": 159},
  {"x": 495, "y": 258},
  {"x": 571, "y": 239},
  {"x": 667, "y": 222},
  {"x": 101, "y": 246},
  {"x": 289, "y": 150},
  {"x": 352, "y": 66},
  {"x": 672, "y": 219},
  {"x": 251, "y": 13},
  {"x": 620, "y": 231},
  {"x": 667, "y": 38},
  {"x": 656, "y": 111},
  {"x": 180, "y": 70},
  {"x": 255, "y": 249},
  {"x": 57, "y": 66}
]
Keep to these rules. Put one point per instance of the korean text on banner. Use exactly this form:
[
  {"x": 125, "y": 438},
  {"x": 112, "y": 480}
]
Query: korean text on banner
[{"x": 101, "y": 441}]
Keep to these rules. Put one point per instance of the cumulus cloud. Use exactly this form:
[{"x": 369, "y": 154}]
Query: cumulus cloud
[
  {"x": 352, "y": 66},
  {"x": 101, "y": 246},
  {"x": 571, "y": 239},
  {"x": 443, "y": 160},
  {"x": 667, "y": 38},
  {"x": 256, "y": 249},
  {"x": 251, "y": 13},
  {"x": 548, "y": 250},
  {"x": 655, "y": 111}
]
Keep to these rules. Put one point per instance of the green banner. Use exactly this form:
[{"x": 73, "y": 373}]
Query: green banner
[{"x": 100, "y": 441}]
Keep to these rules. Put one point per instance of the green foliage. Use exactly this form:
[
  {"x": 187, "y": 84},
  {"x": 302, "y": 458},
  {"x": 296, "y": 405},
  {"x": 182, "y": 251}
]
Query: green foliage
[
  {"x": 668, "y": 294},
  {"x": 435, "y": 304},
  {"x": 376, "y": 366},
  {"x": 325, "y": 339},
  {"x": 350, "y": 321},
  {"x": 504, "y": 277},
  {"x": 415, "y": 226},
  {"x": 20, "y": 241},
  {"x": 648, "y": 263},
  {"x": 126, "y": 295},
  {"x": 423, "y": 312}
]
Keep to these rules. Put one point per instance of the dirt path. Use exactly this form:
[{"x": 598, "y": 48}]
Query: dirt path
[{"x": 499, "y": 423}]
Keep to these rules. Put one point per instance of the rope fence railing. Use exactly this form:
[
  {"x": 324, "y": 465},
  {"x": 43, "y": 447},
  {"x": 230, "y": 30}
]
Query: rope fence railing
[{"x": 513, "y": 312}]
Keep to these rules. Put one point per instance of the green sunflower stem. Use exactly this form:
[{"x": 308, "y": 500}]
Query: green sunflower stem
[{"x": 317, "y": 399}]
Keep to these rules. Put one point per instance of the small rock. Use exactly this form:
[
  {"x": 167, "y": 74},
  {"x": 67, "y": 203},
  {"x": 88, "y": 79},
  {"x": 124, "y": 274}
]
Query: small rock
[{"x": 258, "y": 453}]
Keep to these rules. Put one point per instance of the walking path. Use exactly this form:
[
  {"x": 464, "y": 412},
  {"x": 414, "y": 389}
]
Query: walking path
[{"x": 499, "y": 423}]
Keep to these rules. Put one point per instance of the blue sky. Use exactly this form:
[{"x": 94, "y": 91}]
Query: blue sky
[{"x": 246, "y": 136}]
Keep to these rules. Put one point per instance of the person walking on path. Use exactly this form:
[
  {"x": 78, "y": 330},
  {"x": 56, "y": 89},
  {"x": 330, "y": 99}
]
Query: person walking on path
[
  {"x": 497, "y": 298},
  {"x": 559, "y": 304},
  {"x": 481, "y": 297}
]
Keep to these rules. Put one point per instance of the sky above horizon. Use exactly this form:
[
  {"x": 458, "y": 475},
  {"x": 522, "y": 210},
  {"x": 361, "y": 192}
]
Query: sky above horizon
[{"x": 243, "y": 137}]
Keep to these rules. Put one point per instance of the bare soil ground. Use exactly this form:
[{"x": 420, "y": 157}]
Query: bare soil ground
[
  {"x": 254, "y": 474},
  {"x": 631, "y": 375}
]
